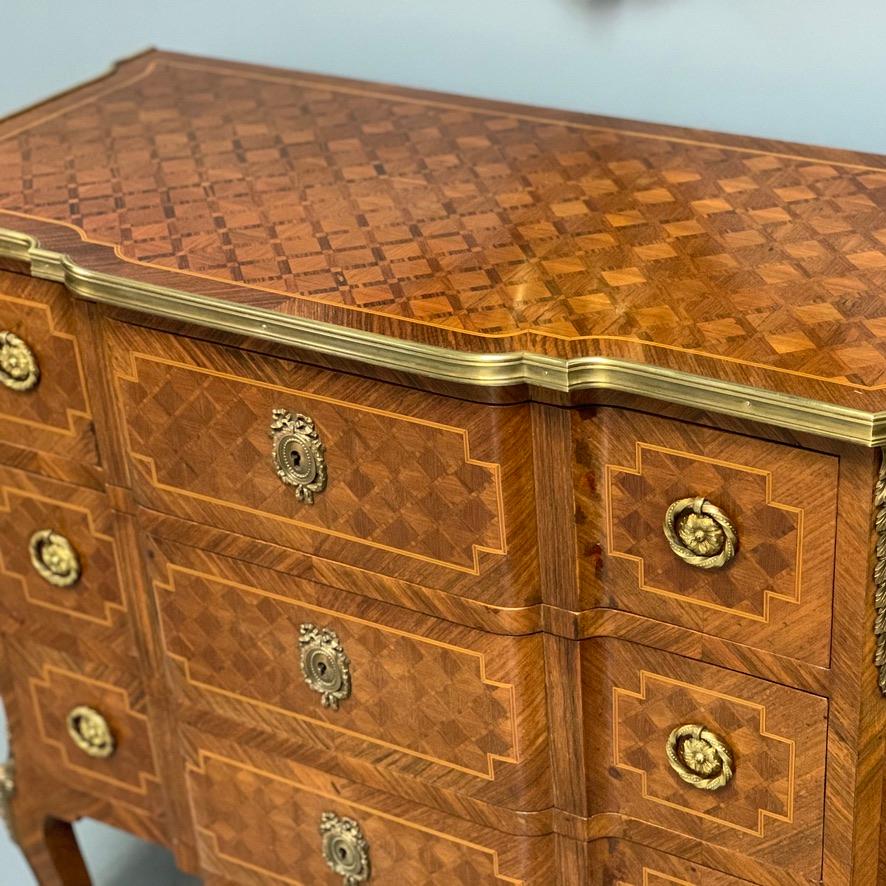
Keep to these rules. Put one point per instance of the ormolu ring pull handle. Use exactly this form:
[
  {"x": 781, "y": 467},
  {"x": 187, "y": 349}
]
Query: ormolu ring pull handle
[
  {"x": 345, "y": 849},
  {"x": 324, "y": 665},
  {"x": 700, "y": 533},
  {"x": 18, "y": 365},
  {"x": 54, "y": 558},
  {"x": 90, "y": 732},
  {"x": 700, "y": 757}
]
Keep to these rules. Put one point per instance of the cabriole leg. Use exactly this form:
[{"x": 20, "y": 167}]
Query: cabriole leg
[{"x": 48, "y": 844}]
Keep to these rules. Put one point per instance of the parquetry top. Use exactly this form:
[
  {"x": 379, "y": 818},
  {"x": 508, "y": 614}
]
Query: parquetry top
[{"x": 470, "y": 225}]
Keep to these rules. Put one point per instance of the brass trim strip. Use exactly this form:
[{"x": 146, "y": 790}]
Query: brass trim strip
[{"x": 488, "y": 370}]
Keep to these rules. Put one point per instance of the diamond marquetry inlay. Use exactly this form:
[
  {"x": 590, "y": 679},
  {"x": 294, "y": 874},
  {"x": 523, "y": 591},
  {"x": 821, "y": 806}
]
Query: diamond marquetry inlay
[
  {"x": 763, "y": 787},
  {"x": 770, "y": 533},
  {"x": 442, "y": 213}
]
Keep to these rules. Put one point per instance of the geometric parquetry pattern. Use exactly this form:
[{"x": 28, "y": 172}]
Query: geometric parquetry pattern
[
  {"x": 763, "y": 787},
  {"x": 486, "y": 221},
  {"x": 426, "y": 699},
  {"x": 61, "y": 391},
  {"x": 390, "y": 476},
  {"x": 54, "y": 417},
  {"x": 96, "y": 594},
  {"x": 130, "y": 769},
  {"x": 239, "y": 808},
  {"x": 770, "y": 533}
]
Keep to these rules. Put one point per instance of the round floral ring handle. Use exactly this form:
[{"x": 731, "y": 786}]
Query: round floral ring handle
[
  {"x": 700, "y": 757},
  {"x": 19, "y": 370},
  {"x": 700, "y": 533}
]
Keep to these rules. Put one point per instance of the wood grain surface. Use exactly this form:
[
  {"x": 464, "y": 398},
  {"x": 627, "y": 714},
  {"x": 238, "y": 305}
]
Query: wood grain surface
[
  {"x": 48, "y": 686},
  {"x": 94, "y": 610},
  {"x": 771, "y": 810},
  {"x": 471, "y": 224},
  {"x": 430, "y": 701},
  {"x": 427, "y": 490},
  {"x": 620, "y": 863},
  {"x": 244, "y": 799},
  {"x": 521, "y": 637},
  {"x": 776, "y": 593},
  {"x": 55, "y": 417},
  {"x": 41, "y": 813}
]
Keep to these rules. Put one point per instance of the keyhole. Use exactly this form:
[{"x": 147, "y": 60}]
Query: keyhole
[
  {"x": 296, "y": 458},
  {"x": 321, "y": 668},
  {"x": 342, "y": 853}
]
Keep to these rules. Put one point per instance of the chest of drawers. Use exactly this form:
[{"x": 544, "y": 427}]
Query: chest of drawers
[{"x": 401, "y": 488}]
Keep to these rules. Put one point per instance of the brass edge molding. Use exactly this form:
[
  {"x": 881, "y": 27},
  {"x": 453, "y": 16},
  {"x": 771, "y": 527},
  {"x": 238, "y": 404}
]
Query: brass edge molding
[
  {"x": 880, "y": 573},
  {"x": 444, "y": 364}
]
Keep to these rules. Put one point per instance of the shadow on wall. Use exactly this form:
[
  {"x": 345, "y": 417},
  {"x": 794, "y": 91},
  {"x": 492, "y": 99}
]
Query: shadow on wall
[{"x": 605, "y": 6}]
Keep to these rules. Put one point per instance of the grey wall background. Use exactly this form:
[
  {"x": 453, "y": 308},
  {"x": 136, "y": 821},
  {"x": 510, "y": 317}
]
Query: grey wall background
[
  {"x": 808, "y": 70},
  {"x": 804, "y": 70}
]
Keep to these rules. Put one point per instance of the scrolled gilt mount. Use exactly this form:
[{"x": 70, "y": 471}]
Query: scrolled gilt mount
[
  {"x": 345, "y": 849},
  {"x": 7, "y": 792},
  {"x": 700, "y": 757},
  {"x": 880, "y": 574},
  {"x": 699, "y": 533},
  {"x": 324, "y": 664},
  {"x": 299, "y": 454},
  {"x": 54, "y": 558},
  {"x": 18, "y": 365}
]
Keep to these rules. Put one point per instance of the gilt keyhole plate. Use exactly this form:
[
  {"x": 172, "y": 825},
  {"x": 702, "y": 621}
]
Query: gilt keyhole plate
[
  {"x": 345, "y": 849},
  {"x": 324, "y": 664},
  {"x": 298, "y": 454}
]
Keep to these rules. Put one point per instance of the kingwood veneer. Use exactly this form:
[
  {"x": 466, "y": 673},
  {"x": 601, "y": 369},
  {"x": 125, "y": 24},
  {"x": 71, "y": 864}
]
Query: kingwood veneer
[{"x": 401, "y": 488}]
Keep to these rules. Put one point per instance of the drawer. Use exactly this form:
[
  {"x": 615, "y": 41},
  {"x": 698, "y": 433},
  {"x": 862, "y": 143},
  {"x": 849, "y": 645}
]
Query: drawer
[
  {"x": 355, "y": 681},
  {"x": 60, "y": 576},
  {"x": 729, "y": 767},
  {"x": 260, "y": 820},
  {"x": 417, "y": 487},
  {"x": 43, "y": 400},
  {"x": 619, "y": 863},
  {"x": 86, "y": 724},
  {"x": 635, "y": 474}
]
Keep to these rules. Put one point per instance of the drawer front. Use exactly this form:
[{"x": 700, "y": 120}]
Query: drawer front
[
  {"x": 60, "y": 567},
  {"x": 636, "y": 474},
  {"x": 717, "y": 760},
  {"x": 43, "y": 400},
  {"x": 619, "y": 863},
  {"x": 263, "y": 821},
  {"x": 407, "y": 485},
  {"x": 356, "y": 678},
  {"x": 86, "y": 723}
]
